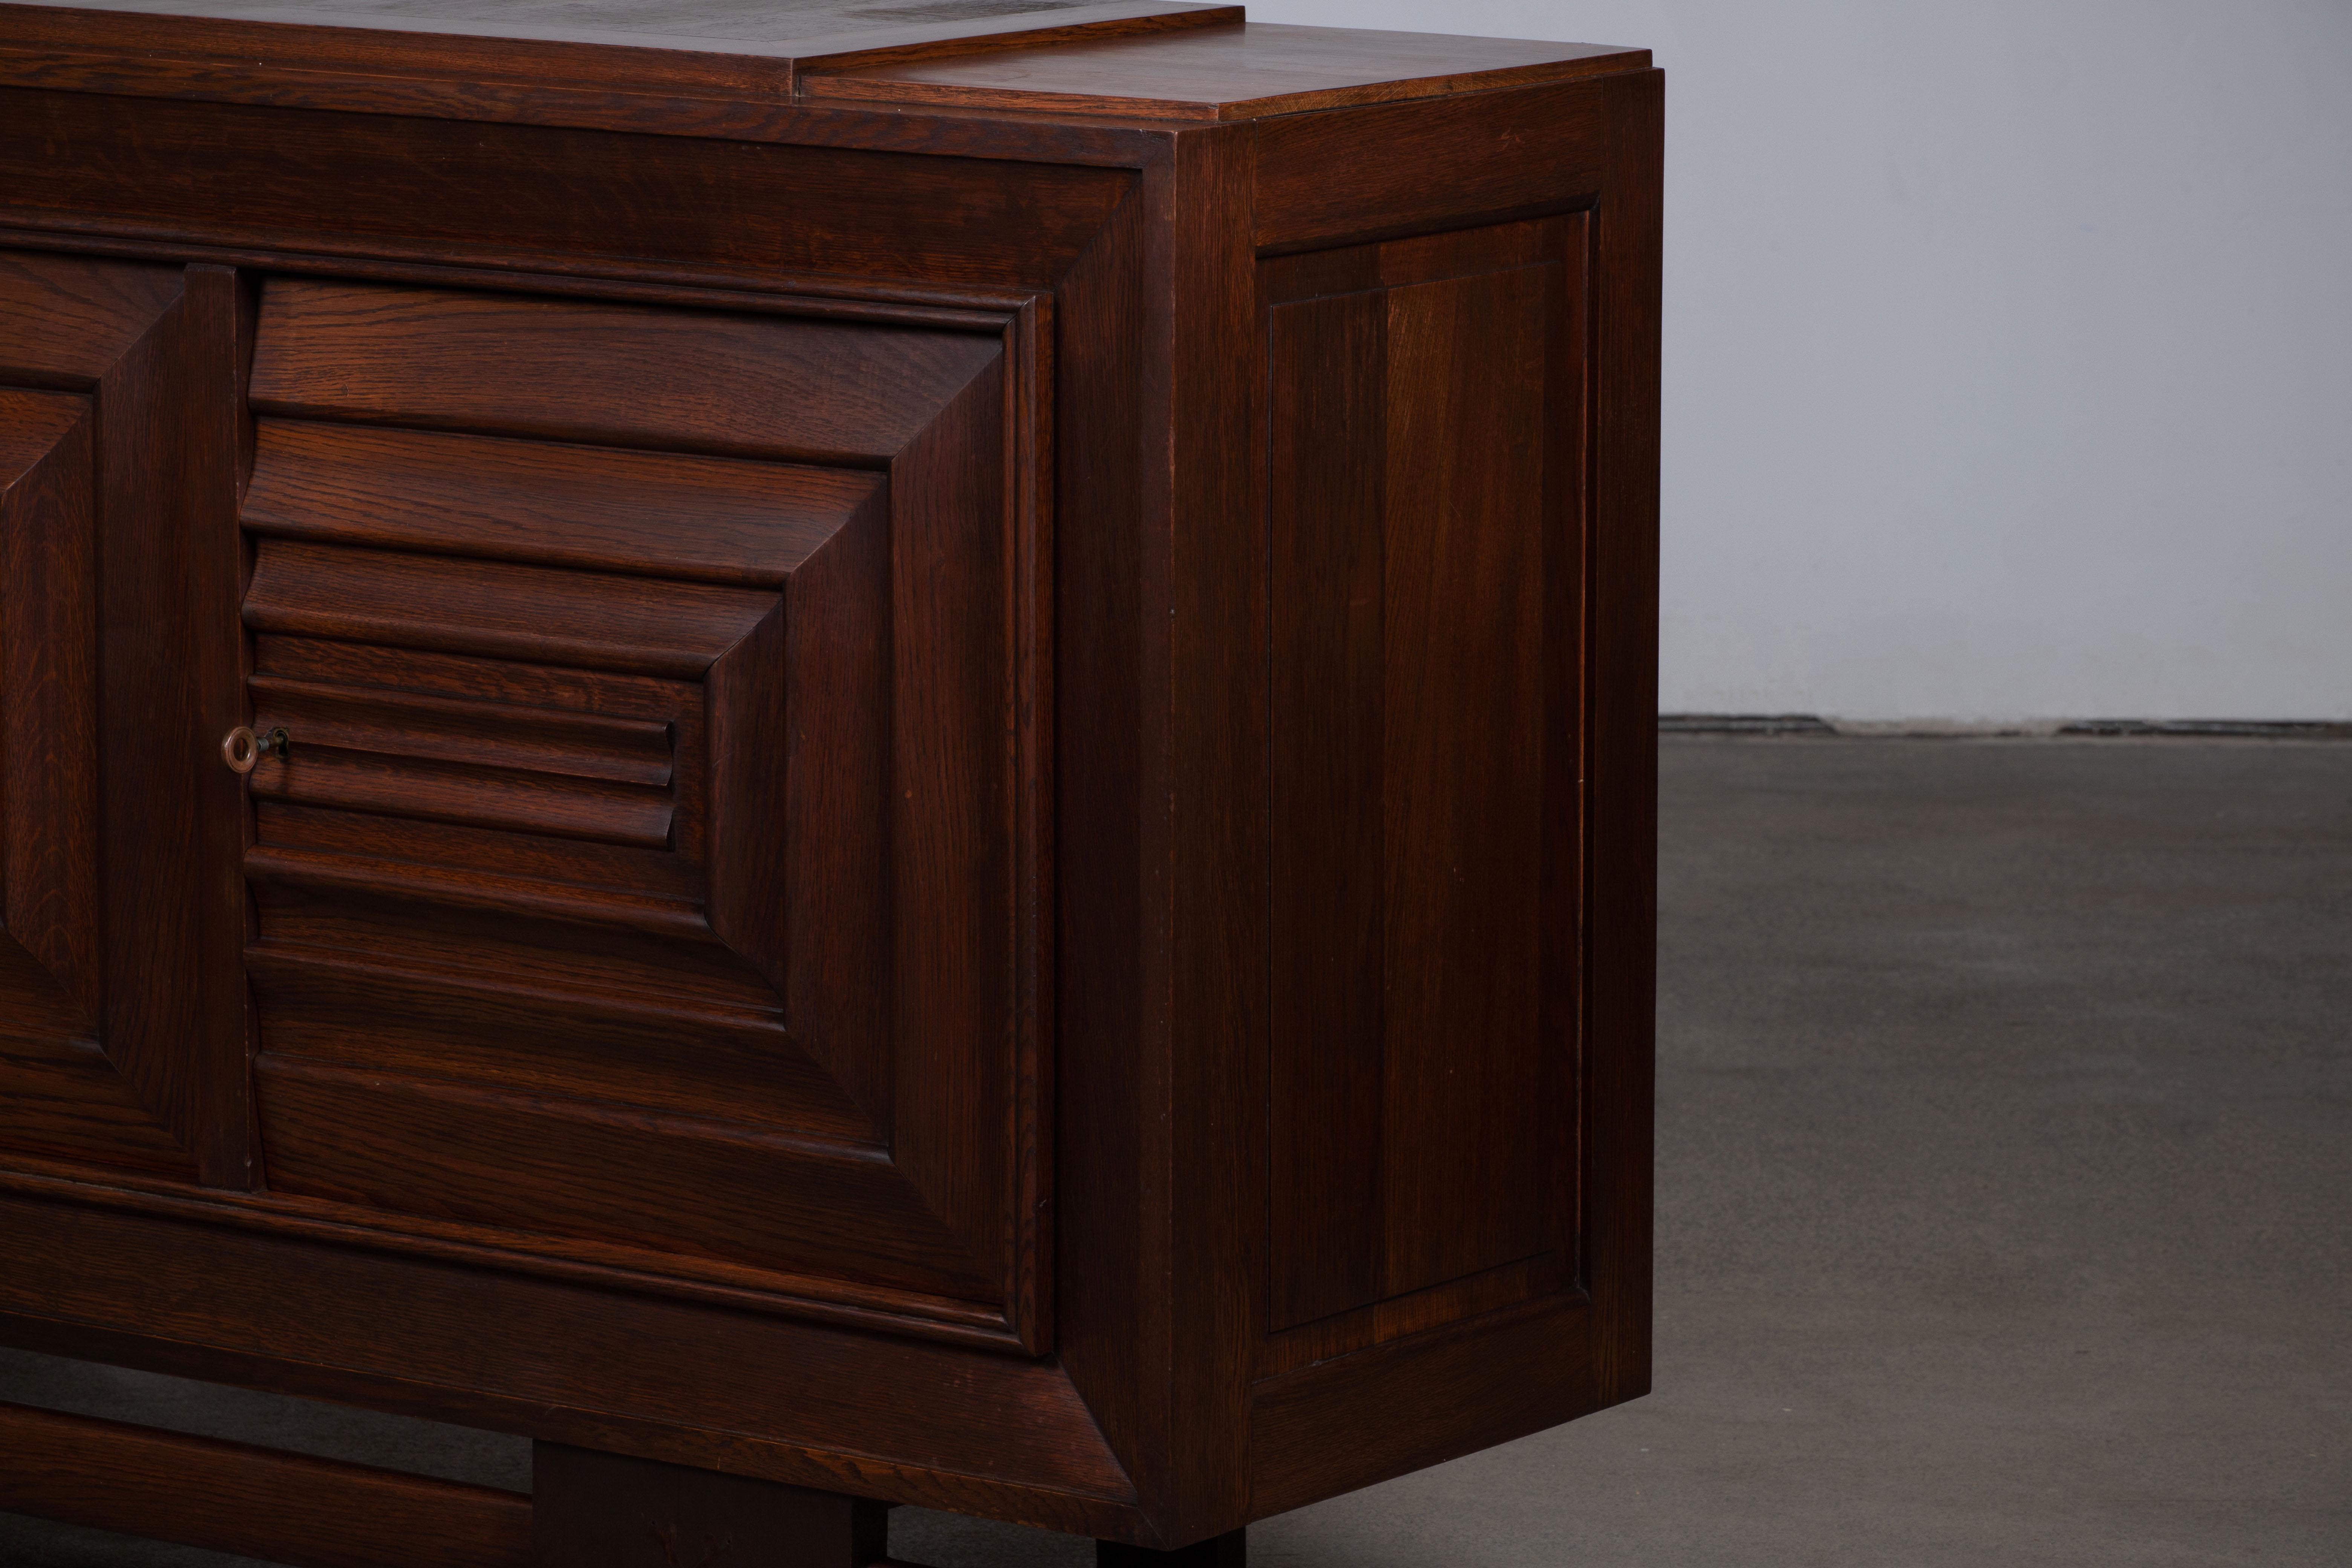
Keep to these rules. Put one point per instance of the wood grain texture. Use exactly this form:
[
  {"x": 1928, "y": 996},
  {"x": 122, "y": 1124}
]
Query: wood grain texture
[
  {"x": 725, "y": 1189},
  {"x": 390, "y": 912},
  {"x": 48, "y": 680},
  {"x": 682, "y": 1054},
  {"x": 1466, "y": 1114},
  {"x": 1423, "y": 470},
  {"x": 709, "y": 520},
  {"x": 749, "y": 387},
  {"x": 128, "y": 1030},
  {"x": 68, "y": 321},
  {"x": 407, "y": 781},
  {"x": 1388, "y": 1317},
  {"x": 1234, "y": 72},
  {"x": 423, "y": 676},
  {"x": 450, "y": 192},
  {"x": 742, "y": 832},
  {"x": 977, "y": 33},
  {"x": 1031, "y": 600},
  {"x": 65, "y": 1096},
  {"x": 880, "y": 885},
  {"x": 1327, "y": 489},
  {"x": 952, "y": 828},
  {"x": 1473, "y": 159},
  {"x": 730, "y": 72},
  {"x": 1107, "y": 939},
  {"x": 566, "y": 1362},
  {"x": 466, "y": 723},
  {"x": 62, "y": 1092},
  {"x": 58, "y": 1090},
  {"x": 254, "y": 1502},
  {"x": 712, "y": 34},
  {"x": 1215, "y": 602},
  {"x": 830, "y": 900},
  {"x": 562, "y": 742},
  {"x": 1623, "y": 952},
  {"x": 1417, "y": 1402},
  {"x": 168, "y": 568},
  {"x": 584, "y": 620}
]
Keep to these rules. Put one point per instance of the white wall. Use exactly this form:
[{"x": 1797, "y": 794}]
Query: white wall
[{"x": 2008, "y": 349}]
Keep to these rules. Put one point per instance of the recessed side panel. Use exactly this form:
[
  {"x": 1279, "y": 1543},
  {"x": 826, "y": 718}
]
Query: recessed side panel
[{"x": 1425, "y": 476}]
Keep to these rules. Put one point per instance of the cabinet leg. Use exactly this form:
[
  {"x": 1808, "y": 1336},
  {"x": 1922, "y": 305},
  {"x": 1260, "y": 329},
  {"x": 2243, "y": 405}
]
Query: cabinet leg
[
  {"x": 1228, "y": 1550},
  {"x": 591, "y": 1510}
]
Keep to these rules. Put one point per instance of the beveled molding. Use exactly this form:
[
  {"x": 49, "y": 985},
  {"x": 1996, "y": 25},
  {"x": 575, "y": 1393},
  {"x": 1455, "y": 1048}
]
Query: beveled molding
[
  {"x": 704, "y": 1280},
  {"x": 811, "y": 1405},
  {"x": 118, "y": 921},
  {"x": 814, "y": 296},
  {"x": 954, "y": 216},
  {"x": 1022, "y": 1325}
]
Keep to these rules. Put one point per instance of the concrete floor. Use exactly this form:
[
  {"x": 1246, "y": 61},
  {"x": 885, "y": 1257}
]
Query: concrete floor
[{"x": 2005, "y": 1194}]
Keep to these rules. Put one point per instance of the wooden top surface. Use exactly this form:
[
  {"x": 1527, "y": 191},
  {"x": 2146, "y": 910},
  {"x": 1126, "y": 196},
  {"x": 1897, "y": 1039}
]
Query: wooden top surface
[
  {"x": 760, "y": 28},
  {"x": 1149, "y": 59},
  {"x": 1228, "y": 72}
]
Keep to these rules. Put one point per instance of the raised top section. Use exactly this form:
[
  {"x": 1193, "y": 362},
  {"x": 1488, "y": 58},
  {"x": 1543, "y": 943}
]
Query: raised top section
[
  {"x": 1234, "y": 72},
  {"x": 803, "y": 29},
  {"x": 729, "y": 67}
]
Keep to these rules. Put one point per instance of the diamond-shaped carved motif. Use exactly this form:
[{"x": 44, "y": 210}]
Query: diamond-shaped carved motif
[{"x": 639, "y": 884}]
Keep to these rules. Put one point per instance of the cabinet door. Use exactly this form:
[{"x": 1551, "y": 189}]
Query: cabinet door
[
  {"x": 121, "y": 1025},
  {"x": 638, "y": 885}
]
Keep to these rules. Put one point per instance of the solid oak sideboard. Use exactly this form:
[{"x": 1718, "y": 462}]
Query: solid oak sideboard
[{"x": 839, "y": 752}]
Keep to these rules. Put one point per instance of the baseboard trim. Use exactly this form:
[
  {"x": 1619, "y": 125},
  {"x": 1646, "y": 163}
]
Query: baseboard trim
[
  {"x": 1743, "y": 724},
  {"x": 1945, "y": 729}
]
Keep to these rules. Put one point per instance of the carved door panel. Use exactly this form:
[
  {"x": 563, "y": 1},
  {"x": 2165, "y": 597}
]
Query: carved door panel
[
  {"x": 637, "y": 886},
  {"x": 121, "y": 1023}
]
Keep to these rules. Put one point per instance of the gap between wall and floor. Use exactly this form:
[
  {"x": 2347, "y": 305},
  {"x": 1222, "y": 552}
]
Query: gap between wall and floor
[{"x": 2187, "y": 729}]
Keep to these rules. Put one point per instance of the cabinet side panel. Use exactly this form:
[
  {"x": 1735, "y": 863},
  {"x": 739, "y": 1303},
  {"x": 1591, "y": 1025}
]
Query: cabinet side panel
[
  {"x": 1423, "y": 475},
  {"x": 1462, "y": 777},
  {"x": 1328, "y": 417},
  {"x": 1399, "y": 1407},
  {"x": 1477, "y": 155},
  {"x": 1625, "y": 770}
]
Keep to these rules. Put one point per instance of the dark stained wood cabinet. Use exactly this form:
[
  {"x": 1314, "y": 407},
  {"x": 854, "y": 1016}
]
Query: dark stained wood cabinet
[{"x": 841, "y": 754}]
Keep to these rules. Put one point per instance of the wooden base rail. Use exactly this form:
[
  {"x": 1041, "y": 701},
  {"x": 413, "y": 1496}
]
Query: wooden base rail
[
  {"x": 591, "y": 1510},
  {"x": 255, "y": 1502}
]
